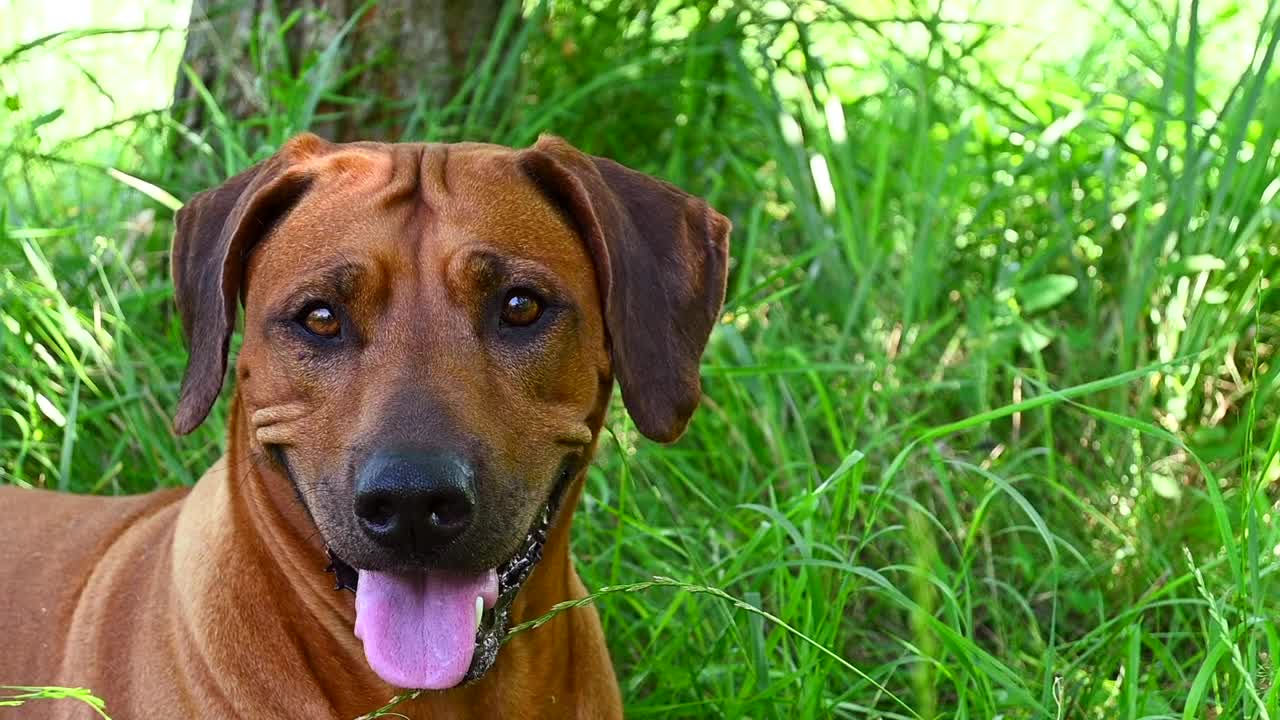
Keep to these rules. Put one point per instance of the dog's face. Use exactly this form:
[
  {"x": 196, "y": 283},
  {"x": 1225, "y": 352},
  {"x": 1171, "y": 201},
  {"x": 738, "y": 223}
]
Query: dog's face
[
  {"x": 431, "y": 334},
  {"x": 423, "y": 312}
]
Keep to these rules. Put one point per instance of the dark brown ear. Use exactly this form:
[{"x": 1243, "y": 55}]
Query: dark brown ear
[
  {"x": 216, "y": 229},
  {"x": 661, "y": 258}
]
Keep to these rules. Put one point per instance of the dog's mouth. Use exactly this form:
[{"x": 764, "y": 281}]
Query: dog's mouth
[{"x": 439, "y": 629}]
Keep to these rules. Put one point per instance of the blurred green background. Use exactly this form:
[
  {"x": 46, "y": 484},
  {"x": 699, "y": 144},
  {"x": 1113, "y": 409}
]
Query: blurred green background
[{"x": 990, "y": 422}]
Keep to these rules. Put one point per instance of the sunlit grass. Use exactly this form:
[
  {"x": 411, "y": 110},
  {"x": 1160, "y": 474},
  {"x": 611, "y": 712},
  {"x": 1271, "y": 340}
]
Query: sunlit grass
[
  {"x": 12, "y": 696},
  {"x": 990, "y": 423}
]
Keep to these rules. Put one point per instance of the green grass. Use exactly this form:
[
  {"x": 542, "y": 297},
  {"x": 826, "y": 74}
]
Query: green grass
[{"x": 990, "y": 426}]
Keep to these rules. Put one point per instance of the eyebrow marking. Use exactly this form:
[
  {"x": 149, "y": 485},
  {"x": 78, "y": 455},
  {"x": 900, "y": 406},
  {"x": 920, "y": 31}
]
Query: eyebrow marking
[
  {"x": 342, "y": 280},
  {"x": 486, "y": 269}
]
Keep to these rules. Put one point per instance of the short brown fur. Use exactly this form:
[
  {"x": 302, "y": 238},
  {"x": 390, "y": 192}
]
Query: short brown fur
[{"x": 210, "y": 601}]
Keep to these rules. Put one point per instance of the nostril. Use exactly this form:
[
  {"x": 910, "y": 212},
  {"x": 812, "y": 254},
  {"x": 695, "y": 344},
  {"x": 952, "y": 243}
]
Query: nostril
[
  {"x": 450, "y": 510},
  {"x": 381, "y": 512},
  {"x": 377, "y": 510}
]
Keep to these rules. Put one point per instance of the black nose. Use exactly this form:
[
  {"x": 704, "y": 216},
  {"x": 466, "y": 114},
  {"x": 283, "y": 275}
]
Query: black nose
[{"x": 414, "y": 502}]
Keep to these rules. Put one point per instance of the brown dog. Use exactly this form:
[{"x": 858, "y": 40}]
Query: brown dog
[{"x": 431, "y": 334}]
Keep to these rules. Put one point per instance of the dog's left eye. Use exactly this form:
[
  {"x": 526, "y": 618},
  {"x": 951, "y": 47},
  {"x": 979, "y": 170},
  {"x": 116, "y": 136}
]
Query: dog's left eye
[{"x": 521, "y": 308}]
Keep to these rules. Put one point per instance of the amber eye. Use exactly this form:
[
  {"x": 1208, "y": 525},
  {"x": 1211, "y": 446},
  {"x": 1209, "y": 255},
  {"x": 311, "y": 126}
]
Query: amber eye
[
  {"x": 322, "y": 321},
  {"x": 521, "y": 308}
]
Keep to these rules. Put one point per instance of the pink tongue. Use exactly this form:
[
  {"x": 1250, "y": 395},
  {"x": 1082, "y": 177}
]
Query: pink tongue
[{"x": 419, "y": 630}]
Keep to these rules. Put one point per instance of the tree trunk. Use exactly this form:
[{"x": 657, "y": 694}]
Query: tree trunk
[{"x": 397, "y": 52}]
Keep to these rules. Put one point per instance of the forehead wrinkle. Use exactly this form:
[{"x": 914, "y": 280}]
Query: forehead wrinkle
[
  {"x": 432, "y": 173},
  {"x": 443, "y": 174},
  {"x": 421, "y": 226},
  {"x": 404, "y": 181}
]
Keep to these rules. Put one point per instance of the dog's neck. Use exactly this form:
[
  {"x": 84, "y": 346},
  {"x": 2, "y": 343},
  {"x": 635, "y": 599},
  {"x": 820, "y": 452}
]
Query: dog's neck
[{"x": 255, "y": 563}]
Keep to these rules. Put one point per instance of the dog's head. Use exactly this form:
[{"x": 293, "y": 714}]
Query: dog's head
[{"x": 430, "y": 339}]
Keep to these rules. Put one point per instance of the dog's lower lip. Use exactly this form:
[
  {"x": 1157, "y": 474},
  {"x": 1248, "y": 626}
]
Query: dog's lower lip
[{"x": 345, "y": 577}]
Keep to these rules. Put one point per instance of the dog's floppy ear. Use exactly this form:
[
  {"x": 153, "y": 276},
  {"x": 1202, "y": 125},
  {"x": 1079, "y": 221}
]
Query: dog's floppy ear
[
  {"x": 661, "y": 260},
  {"x": 215, "y": 231}
]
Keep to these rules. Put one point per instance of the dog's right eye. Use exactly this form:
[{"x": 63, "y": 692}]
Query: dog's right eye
[{"x": 321, "y": 320}]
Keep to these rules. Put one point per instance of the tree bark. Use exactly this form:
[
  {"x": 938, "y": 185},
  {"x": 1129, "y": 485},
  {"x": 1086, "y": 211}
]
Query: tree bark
[{"x": 397, "y": 52}]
